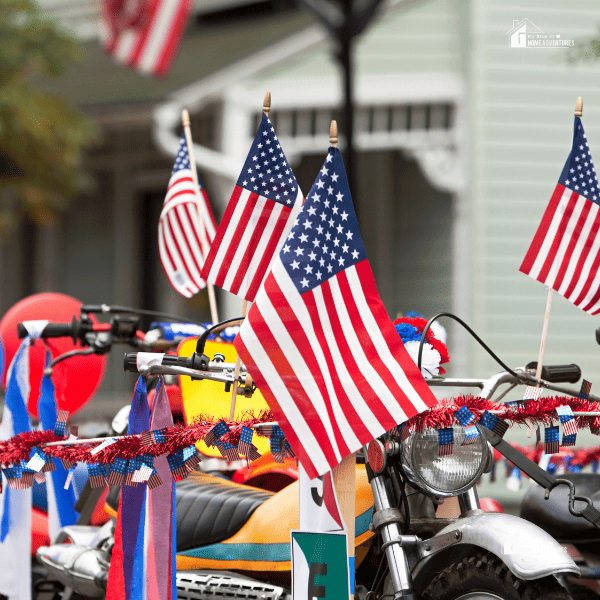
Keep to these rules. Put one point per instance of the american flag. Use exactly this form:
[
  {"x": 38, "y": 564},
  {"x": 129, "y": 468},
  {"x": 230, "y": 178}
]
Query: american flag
[
  {"x": 471, "y": 434},
  {"x": 318, "y": 340},
  {"x": 259, "y": 216},
  {"x": 117, "y": 471},
  {"x": 96, "y": 475},
  {"x": 144, "y": 34},
  {"x": 245, "y": 443},
  {"x": 61, "y": 422},
  {"x": 494, "y": 423},
  {"x": 228, "y": 451},
  {"x": 551, "y": 440},
  {"x": 565, "y": 252},
  {"x": 565, "y": 414},
  {"x": 532, "y": 392},
  {"x": 445, "y": 441},
  {"x": 586, "y": 388},
  {"x": 179, "y": 235}
]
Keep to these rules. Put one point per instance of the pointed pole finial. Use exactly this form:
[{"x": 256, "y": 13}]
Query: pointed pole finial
[
  {"x": 185, "y": 117},
  {"x": 333, "y": 133},
  {"x": 579, "y": 107},
  {"x": 267, "y": 103}
]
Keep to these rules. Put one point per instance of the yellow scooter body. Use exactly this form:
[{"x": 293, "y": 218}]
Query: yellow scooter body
[{"x": 263, "y": 543}]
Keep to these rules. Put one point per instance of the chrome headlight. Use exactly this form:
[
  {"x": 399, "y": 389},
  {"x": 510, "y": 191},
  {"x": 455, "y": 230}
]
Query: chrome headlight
[{"x": 443, "y": 475}]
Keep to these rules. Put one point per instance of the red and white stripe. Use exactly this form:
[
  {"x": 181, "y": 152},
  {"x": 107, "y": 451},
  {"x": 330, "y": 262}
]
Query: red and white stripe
[
  {"x": 251, "y": 233},
  {"x": 144, "y": 35},
  {"x": 446, "y": 449},
  {"x": 330, "y": 364},
  {"x": 179, "y": 237},
  {"x": 565, "y": 252}
]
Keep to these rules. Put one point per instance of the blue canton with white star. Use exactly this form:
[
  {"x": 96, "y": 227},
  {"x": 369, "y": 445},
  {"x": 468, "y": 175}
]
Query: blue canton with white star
[
  {"x": 182, "y": 160},
  {"x": 325, "y": 238},
  {"x": 579, "y": 173},
  {"x": 266, "y": 170}
]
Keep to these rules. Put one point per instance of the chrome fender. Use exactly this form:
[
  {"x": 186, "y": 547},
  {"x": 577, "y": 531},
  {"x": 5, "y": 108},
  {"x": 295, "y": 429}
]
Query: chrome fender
[{"x": 528, "y": 551}]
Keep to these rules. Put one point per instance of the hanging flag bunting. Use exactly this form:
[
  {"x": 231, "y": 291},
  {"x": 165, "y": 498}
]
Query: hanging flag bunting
[
  {"x": 15, "y": 508},
  {"x": 258, "y": 218},
  {"x": 565, "y": 252},
  {"x": 144, "y": 36},
  {"x": 586, "y": 388},
  {"x": 551, "y": 440},
  {"x": 160, "y": 530},
  {"x": 445, "y": 441},
  {"x": 342, "y": 376},
  {"x": 179, "y": 234},
  {"x": 125, "y": 575}
]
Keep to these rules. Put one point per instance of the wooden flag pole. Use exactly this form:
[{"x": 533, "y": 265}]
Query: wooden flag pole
[
  {"x": 344, "y": 474},
  {"x": 236, "y": 373},
  {"x": 185, "y": 119},
  {"x": 538, "y": 372}
]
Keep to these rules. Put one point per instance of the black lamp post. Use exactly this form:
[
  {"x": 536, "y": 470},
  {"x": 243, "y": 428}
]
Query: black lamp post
[{"x": 345, "y": 20}]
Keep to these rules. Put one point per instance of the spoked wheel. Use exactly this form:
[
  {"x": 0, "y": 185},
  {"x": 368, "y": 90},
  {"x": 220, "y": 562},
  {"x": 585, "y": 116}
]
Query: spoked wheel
[{"x": 482, "y": 576}]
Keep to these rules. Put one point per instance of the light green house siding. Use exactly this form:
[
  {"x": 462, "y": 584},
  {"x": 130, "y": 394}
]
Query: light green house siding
[{"x": 522, "y": 103}]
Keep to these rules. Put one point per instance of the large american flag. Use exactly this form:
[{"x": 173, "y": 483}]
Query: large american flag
[
  {"x": 259, "y": 216},
  {"x": 565, "y": 252},
  {"x": 179, "y": 236},
  {"x": 318, "y": 341},
  {"x": 144, "y": 34}
]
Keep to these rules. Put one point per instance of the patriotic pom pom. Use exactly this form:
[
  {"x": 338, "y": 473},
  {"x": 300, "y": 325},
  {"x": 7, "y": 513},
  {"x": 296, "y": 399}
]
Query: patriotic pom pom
[{"x": 435, "y": 353}]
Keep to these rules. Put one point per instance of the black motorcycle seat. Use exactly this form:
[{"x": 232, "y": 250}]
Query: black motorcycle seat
[
  {"x": 209, "y": 509},
  {"x": 553, "y": 515}
]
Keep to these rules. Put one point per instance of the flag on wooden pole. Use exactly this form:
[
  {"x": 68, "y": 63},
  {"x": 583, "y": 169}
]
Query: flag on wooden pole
[
  {"x": 144, "y": 35},
  {"x": 259, "y": 216},
  {"x": 565, "y": 252},
  {"x": 179, "y": 235},
  {"x": 318, "y": 340}
]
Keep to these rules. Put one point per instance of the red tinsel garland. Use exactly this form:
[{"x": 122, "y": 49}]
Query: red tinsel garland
[{"x": 532, "y": 412}]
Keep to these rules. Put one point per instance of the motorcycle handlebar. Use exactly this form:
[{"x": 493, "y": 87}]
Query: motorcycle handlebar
[
  {"x": 54, "y": 330},
  {"x": 168, "y": 360},
  {"x": 558, "y": 373}
]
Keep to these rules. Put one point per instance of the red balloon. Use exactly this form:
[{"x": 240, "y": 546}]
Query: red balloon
[{"x": 75, "y": 379}]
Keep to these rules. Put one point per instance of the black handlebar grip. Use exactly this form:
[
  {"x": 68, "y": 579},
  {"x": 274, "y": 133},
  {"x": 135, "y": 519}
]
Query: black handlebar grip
[
  {"x": 559, "y": 373},
  {"x": 92, "y": 308},
  {"x": 54, "y": 330},
  {"x": 168, "y": 360}
]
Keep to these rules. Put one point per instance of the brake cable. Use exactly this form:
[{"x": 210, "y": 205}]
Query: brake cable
[{"x": 461, "y": 322}]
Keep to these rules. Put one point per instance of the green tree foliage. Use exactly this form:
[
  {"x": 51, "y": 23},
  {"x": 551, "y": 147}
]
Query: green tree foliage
[
  {"x": 41, "y": 134},
  {"x": 585, "y": 50}
]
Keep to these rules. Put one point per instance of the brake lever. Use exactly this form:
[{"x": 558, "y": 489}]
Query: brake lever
[{"x": 67, "y": 355}]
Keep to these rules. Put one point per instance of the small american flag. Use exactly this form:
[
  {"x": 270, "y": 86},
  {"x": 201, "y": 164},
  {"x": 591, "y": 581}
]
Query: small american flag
[
  {"x": 565, "y": 252},
  {"x": 67, "y": 464},
  {"x": 532, "y": 392},
  {"x": 217, "y": 432},
  {"x": 258, "y": 218},
  {"x": 276, "y": 444},
  {"x": 96, "y": 476},
  {"x": 61, "y": 422},
  {"x": 551, "y": 440},
  {"x": 179, "y": 236},
  {"x": 229, "y": 451},
  {"x": 445, "y": 441},
  {"x": 144, "y": 35},
  {"x": 117, "y": 471},
  {"x": 464, "y": 416},
  {"x": 154, "y": 479},
  {"x": 565, "y": 414},
  {"x": 142, "y": 474},
  {"x": 569, "y": 440},
  {"x": 494, "y": 423},
  {"x": 177, "y": 465},
  {"x": 288, "y": 449},
  {"x": 586, "y": 388},
  {"x": 37, "y": 461},
  {"x": 245, "y": 443},
  {"x": 50, "y": 464},
  {"x": 133, "y": 464},
  {"x": 318, "y": 340},
  {"x": 471, "y": 434}
]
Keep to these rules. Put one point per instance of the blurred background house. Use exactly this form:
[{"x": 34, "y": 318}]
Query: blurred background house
[{"x": 460, "y": 139}]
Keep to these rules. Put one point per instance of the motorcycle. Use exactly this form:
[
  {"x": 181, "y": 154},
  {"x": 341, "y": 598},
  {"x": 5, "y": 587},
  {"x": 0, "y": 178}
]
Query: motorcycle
[{"x": 234, "y": 540}]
